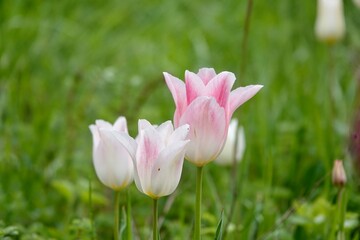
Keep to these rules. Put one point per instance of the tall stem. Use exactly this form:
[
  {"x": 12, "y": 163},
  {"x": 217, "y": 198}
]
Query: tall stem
[
  {"x": 128, "y": 215},
  {"x": 155, "y": 220},
  {"x": 197, "y": 231},
  {"x": 341, "y": 209},
  {"x": 116, "y": 216}
]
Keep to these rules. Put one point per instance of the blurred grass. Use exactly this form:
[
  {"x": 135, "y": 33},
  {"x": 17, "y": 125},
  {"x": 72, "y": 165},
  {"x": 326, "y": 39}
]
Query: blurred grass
[{"x": 65, "y": 64}]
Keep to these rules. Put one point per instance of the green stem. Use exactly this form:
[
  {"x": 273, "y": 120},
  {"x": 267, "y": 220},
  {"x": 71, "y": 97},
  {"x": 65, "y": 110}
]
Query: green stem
[
  {"x": 116, "y": 217},
  {"x": 197, "y": 231},
  {"x": 128, "y": 215},
  {"x": 155, "y": 220},
  {"x": 341, "y": 209}
]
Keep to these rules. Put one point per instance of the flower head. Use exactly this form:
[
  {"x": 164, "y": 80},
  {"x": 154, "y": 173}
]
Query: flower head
[
  {"x": 338, "y": 174},
  {"x": 159, "y": 157},
  {"x": 112, "y": 162},
  {"x": 205, "y": 102},
  {"x": 227, "y": 155},
  {"x": 330, "y": 23}
]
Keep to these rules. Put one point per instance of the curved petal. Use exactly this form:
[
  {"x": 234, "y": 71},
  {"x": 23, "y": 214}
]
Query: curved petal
[
  {"x": 167, "y": 169},
  {"x": 95, "y": 134},
  {"x": 112, "y": 162},
  {"x": 143, "y": 124},
  {"x": 194, "y": 86},
  {"x": 120, "y": 124},
  {"x": 165, "y": 130},
  {"x": 177, "y": 89},
  {"x": 220, "y": 86},
  {"x": 124, "y": 139},
  {"x": 208, "y": 130},
  {"x": 206, "y": 74},
  {"x": 103, "y": 124},
  {"x": 241, "y": 144},
  {"x": 241, "y": 95},
  {"x": 149, "y": 147},
  {"x": 179, "y": 134}
]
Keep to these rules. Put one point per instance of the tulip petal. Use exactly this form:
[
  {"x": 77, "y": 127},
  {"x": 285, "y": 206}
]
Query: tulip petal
[
  {"x": 103, "y": 124},
  {"x": 179, "y": 134},
  {"x": 241, "y": 95},
  {"x": 194, "y": 86},
  {"x": 149, "y": 146},
  {"x": 124, "y": 139},
  {"x": 220, "y": 86},
  {"x": 177, "y": 89},
  {"x": 165, "y": 130},
  {"x": 167, "y": 170},
  {"x": 208, "y": 130},
  {"x": 143, "y": 124},
  {"x": 113, "y": 164},
  {"x": 206, "y": 74},
  {"x": 241, "y": 144},
  {"x": 95, "y": 133},
  {"x": 120, "y": 124}
]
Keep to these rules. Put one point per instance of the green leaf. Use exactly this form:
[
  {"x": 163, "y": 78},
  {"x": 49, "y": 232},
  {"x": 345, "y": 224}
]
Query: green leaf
[{"x": 219, "y": 230}]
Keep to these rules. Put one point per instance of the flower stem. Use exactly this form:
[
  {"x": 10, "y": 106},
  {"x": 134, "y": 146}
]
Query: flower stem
[
  {"x": 197, "y": 231},
  {"x": 116, "y": 217},
  {"x": 155, "y": 220},
  {"x": 341, "y": 209},
  {"x": 128, "y": 215}
]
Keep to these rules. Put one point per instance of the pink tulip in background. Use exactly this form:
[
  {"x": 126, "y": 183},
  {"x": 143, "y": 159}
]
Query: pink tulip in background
[
  {"x": 205, "y": 102},
  {"x": 113, "y": 164}
]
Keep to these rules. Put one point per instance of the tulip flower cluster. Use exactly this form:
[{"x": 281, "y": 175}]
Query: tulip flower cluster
[{"x": 154, "y": 159}]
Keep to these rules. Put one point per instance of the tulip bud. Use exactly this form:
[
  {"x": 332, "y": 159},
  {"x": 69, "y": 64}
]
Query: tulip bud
[
  {"x": 227, "y": 155},
  {"x": 338, "y": 174},
  {"x": 330, "y": 23}
]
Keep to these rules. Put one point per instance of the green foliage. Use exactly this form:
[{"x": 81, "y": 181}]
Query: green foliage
[{"x": 64, "y": 64}]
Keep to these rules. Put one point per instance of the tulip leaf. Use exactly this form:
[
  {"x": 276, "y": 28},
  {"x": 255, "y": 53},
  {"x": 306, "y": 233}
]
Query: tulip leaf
[{"x": 219, "y": 229}]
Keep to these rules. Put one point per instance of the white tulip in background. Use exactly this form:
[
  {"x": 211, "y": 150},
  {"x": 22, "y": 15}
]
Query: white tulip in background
[
  {"x": 226, "y": 156},
  {"x": 357, "y": 3},
  {"x": 330, "y": 22},
  {"x": 113, "y": 164}
]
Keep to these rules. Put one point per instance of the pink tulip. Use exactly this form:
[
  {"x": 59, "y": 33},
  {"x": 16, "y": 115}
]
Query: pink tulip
[
  {"x": 205, "y": 102},
  {"x": 113, "y": 164},
  {"x": 159, "y": 158}
]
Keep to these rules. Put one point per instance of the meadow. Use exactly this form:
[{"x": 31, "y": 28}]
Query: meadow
[{"x": 64, "y": 64}]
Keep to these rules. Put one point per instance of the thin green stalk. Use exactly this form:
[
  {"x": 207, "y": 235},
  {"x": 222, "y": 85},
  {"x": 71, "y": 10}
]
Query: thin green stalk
[
  {"x": 128, "y": 215},
  {"x": 341, "y": 209},
  {"x": 116, "y": 216},
  {"x": 197, "y": 231},
  {"x": 155, "y": 220}
]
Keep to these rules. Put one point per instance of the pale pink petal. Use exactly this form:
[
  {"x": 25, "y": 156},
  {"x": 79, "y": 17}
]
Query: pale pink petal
[
  {"x": 166, "y": 172},
  {"x": 179, "y": 134},
  {"x": 206, "y": 74},
  {"x": 220, "y": 86},
  {"x": 149, "y": 146},
  {"x": 241, "y": 95},
  {"x": 103, "y": 124},
  {"x": 194, "y": 86},
  {"x": 95, "y": 134},
  {"x": 143, "y": 124},
  {"x": 125, "y": 140},
  {"x": 177, "y": 89},
  {"x": 121, "y": 125},
  {"x": 112, "y": 162},
  {"x": 241, "y": 144},
  {"x": 208, "y": 130},
  {"x": 165, "y": 130}
]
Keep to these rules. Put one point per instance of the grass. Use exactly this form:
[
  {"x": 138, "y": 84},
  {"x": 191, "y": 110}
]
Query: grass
[{"x": 64, "y": 64}]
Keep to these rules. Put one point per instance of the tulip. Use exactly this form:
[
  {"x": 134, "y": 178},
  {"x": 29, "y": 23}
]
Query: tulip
[
  {"x": 338, "y": 174},
  {"x": 205, "y": 102},
  {"x": 113, "y": 164},
  {"x": 330, "y": 23},
  {"x": 112, "y": 161},
  {"x": 357, "y": 3},
  {"x": 159, "y": 158},
  {"x": 227, "y": 155}
]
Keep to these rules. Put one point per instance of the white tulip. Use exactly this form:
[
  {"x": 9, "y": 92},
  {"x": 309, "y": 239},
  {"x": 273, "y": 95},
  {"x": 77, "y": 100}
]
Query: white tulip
[
  {"x": 330, "y": 22},
  {"x": 227, "y": 154},
  {"x": 357, "y": 3}
]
